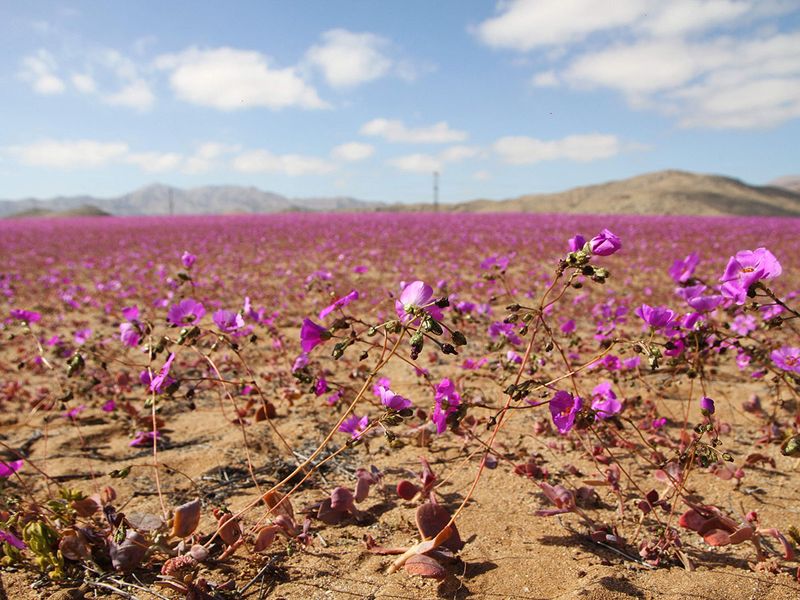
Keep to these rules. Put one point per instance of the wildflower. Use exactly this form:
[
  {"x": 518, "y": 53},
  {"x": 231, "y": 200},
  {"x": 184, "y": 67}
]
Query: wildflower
[
  {"x": 9, "y": 538},
  {"x": 228, "y": 321},
  {"x": 300, "y": 362},
  {"x": 787, "y": 358},
  {"x": 188, "y": 259},
  {"x": 7, "y": 469},
  {"x": 321, "y": 386},
  {"x": 27, "y": 316},
  {"x": 393, "y": 401},
  {"x": 383, "y": 382},
  {"x": 659, "y": 423},
  {"x": 82, "y": 336},
  {"x": 657, "y": 317},
  {"x": 568, "y": 326},
  {"x": 129, "y": 335},
  {"x": 163, "y": 380},
  {"x": 707, "y": 405},
  {"x": 187, "y": 311},
  {"x": 605, "y": 243},
  {"x": 681, "y": 271},
  {"x": 447, "y": 401},
  {"x": 109, "y": 405},
  {"x": 706, "y": 303},
  {"x": 563, "y": 408},
  {"x": 131, "y": 313},
  {"x": 604, "y": 401},
  {"x": 73, "y": 413},
  {"x": 746, "y": 269},
  {"x": 343, "y": 301},
  {"x": 312, "y": 335},
  {"x": 576, "y": 243},
  {"x": 416, "y": 297},
  {"x": 354, "y": 425},
  {"x": 144, "y": 438}
]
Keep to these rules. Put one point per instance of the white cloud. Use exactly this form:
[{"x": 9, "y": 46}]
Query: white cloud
[
  {"x": 458, "y": 153},
  {"x": 155, "y": 162},
  {"x": 137, "y": 95},
  {"x": 353, "y": 151},
  {"x": 84, "y": 83},
  {"x": 39, "y": 70},
  {"x": 348, "y": 59},
  {"x": 207, "y": 155},
  {"x": 680, "y": 17},
  {"x": 263, "y": 161},
  {"x": 397, "y": 131},
  {"x": 545, "y": 79},
  {"x": 77, "y": 154},
  {"x": 523, "y": 150},
  {"x": 230, "y": 79},
  {"x": 416, "y": 163},
  {"x": 527, "y": 24},
  {"x": 481, "y": 175}
]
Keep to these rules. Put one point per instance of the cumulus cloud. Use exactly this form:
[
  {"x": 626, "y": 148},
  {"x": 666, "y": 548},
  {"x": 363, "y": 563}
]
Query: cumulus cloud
[
  {"x": 353, "y": 151},
  {"x": 136, "y": 94},
  {"x": 397, "y": 131},
  {"x": 71, "y": 154},
  {"x": 207, "y": 156},
  {"x": 523, "y": 150},
  {"x": 84, "y": 83},
  {"x": 673, "y": 57},
  {"x": 155, "y": 162},
  {"x": 293, "y": 165},
  {"x": 230, "y": 79},
  {"x": 347, "y": 59},
  {"x": 39, "y": 70},
  {"x": 427, "y": 163}
]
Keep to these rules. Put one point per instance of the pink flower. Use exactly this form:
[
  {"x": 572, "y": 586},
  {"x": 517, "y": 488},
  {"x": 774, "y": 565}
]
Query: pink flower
[
  {"x": 227, "y": 321},
  {"x": 131, "y": 313},
  {"x": 787, "y": 358},
  {"x": 312, "y": 335},
  {"x": 27, "y": 316},
  {"x": 745, "y": 269},
  {"x": 576, "y": 244},
  {"x": 393, "y": 401},
  {"x": 605, "y": 243},
  {"x": 343, "y": 301},
  {"x": 417, "y": 295},
  {"x": 188, "y": 259},
  {"x": 563, "y": 408},
  {"x": 144, "y": 438},
  {"x": 10, "y": 538},
  {"x": 681, "y": 271},
  {"x": 658, "y": 317},
  {"x": 129, "y": 335},
  {"x": 163, "y": 380},
  {"x": 447, "y": 402},
  {"x": 354, "y": 425},
  {"x": 7, "y": 469},
  {"x": 604, "y": 401},
  {"x": 186, "y": 312}
]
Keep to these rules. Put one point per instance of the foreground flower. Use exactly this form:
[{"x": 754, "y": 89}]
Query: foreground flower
[
  {"x": 447, "y": 401},
  {"x": 28, "y": 316},
  {"x": 707, "y": 405},
  {"x": 186, "y": 312},
  {"x": 416, "y": 297},
  {"x": 227, "y": 321},
  {"x": 787, "y": 358},
  {"x": 312, "y": 335},
  {"x": 605, "y": 243},
  {"x": 576, "y": 244},
  {"x": 163, "y": 380},
  {"x": 604, "y": 401},
  {"x": 563, "y": 408},
  {"x": 144, "y": 438},
  {"x": 129, "y": 334},
  {"x": 745, "y": 269},
  {"x": 7, "y": 469},
  {"x": 393, "y": 401},
  {"x": 188, "y": 259},
  {"x": 655, "y": 316},
  {"x": 9, "y": 538},
  {"x": 343, "y": 301},
  {"x": 354, "y": 425}
]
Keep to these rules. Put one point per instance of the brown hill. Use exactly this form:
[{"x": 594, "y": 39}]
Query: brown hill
[
  {"x": 660, "y": 193},
  {"x": 85, "y": 210},
  {"x": 789, "y": 182}
]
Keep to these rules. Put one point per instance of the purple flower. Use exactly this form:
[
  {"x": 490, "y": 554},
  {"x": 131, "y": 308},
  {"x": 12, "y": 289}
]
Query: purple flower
[
  {"x": 659, "y": 423},
  {"x": 707, "y": 405},
  {"x": 393, "y": 401},
  {"x": 417, "y": 295},
  {"x": 657, "y": 317},
  {"x": 605, "y": 243},
  {"x": 568, "y": 326},
  {"x": 745, "y": 269},
  {"x": 706, "y": 303},
  {"x": 787, "y": 358},
  {"x": 73, "y": 413},
  {"x": 447, "y": 401},
  {"x": 681, "y": 271},
  {"x": 185, "y": 312},
  {"x": 343, "y": 301},
  {"x": 312, "y": 335},
  {"x": 129, "y": 334},
  {"x": 321, "y": 386},
  {"x": 563, "y": 408},
  {"x": 188, "y": 259},
  {"x": 576, "y": 243},
  {"x": 10, "y": 538},
  {"x": 163, "y": 380},
  {"x": 300, "y": 362},
  {"x": 354, "y": 425},
  {"x": 131, "y": 313},
  {"x": 604, "y": 401},
  {"x": 7, "y": 469},
  {"x": 82, "y": 336},
  {"x": 384, "y": 382},
  {"x": 28, "y": 316},
  {"x": 144, "y": 438},
  {"x": 744, "y": 324},
  {"x": 228, "y": 321},
  {"x": 109, "y": 405}
]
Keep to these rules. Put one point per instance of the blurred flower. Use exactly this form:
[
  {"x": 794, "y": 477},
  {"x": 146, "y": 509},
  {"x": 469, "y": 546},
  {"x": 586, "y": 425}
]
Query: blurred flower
[
  {"x": 321, "y": 386},
  {"x": 145, "y": 438},
  {"x": 354, "y": 425},
  {"x": 312, "y": 335},
  {"x": 131, "y": 313},
  {"x": 300, "y": 362},
  {"x": 707, "y": 405},
  {"x": 563, "y": 408},
  {"x": 10, "y": 538},
  {"x": 73, "y": 413},
  {"x": 447, "y": 401},
  {"x": 188, "y": 259},
  {"x": 576, "y": 244},
  {"x": 604, "y": 401},
  {"x": 82, "y": 336},
  {"x": 393, "y": 401},
  {"x": 163, "y": 380},
  {"x": 186, "y": 312},
  {"x": 787, "y": 358},
  {"x": 29, "y": 316},
  {"x": 657, "y": 317},
  {"x": 343, "y": 301},
  {"x": 228, "y": 321},
  {"x": 129, "y": 334},
  {"x": 7, "y": 469},
  {"x": 682, "y": 270}
]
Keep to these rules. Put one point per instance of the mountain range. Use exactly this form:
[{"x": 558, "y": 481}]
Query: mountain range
[{"x": 664, "y": 192}]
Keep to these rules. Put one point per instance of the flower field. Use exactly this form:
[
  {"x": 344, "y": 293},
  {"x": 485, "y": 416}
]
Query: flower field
[{"x": 400, "y": 406}]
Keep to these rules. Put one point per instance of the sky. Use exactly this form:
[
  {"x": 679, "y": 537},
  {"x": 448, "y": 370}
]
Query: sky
[{"x": 367, "y": 98}]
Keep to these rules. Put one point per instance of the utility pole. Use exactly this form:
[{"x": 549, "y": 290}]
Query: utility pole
[
  {"x": 436, "y": 190},
  {"x": 171, "y": 204}
]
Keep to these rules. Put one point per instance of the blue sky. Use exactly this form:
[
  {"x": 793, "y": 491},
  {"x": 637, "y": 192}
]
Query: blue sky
[{"x": 367, "y": 98}]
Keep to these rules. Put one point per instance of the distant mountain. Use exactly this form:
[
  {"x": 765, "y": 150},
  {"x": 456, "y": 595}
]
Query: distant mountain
[
  {"x": 659, "y": 193},
  {"x": 84, "y": 210},
  {"x": 155, "y": 200},
  {"x": 789, "y": 182}
]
